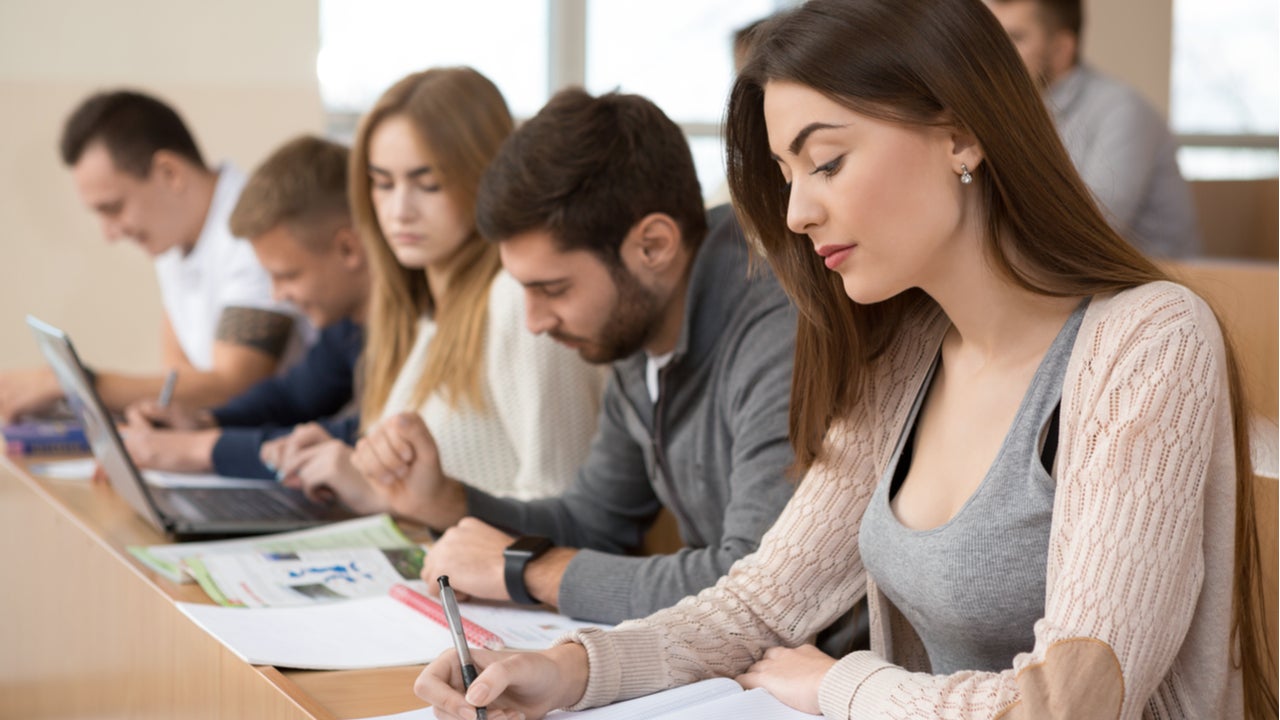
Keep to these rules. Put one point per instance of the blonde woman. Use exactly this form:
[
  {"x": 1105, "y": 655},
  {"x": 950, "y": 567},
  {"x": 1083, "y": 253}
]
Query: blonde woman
[{"x": 510, "y": 411}]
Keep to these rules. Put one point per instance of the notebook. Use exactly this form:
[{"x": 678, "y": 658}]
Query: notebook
[{"x": 179, "y": 512}]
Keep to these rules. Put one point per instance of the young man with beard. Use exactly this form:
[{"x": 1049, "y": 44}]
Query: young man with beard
[{"x": 597, "y": 211}]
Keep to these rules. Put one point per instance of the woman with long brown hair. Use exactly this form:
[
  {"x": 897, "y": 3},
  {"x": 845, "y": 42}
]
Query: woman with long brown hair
[
  {"x": 511, "y": 412},
  {"x": 1021, "y": 443}
]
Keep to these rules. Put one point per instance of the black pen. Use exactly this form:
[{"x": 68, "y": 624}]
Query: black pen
[{"x": 454, "y": 617}]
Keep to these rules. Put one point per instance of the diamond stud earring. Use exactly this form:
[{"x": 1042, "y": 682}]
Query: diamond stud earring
[{"x": 965, "y": 177}]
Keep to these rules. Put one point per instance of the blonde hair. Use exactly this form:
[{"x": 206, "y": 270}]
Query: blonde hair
[{"x": 461, "y": 119}]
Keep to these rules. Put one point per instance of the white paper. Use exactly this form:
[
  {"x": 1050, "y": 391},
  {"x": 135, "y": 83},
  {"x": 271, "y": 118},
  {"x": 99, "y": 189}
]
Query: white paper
[
  {"x": 419, "y": 714},
  {"x": 347, "y": 635},
  {"x": 715, "y": 698},
  {"x": 159, "y": 478},
  {"x": 522, "y": 628},
  {"x": 64, "y": 469},
  {"x": 362, "y": 633}
]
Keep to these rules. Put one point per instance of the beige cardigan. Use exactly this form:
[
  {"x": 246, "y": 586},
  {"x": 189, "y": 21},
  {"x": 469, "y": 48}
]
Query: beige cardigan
[{"x": 1138, "y": 596}]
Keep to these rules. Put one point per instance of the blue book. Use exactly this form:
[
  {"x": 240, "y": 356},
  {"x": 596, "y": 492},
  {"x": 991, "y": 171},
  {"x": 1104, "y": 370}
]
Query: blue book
[{"x": 44, "y": 437}]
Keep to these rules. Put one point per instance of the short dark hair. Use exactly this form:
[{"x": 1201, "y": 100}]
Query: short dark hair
[
  {"x": 586, "y": 169},
  {"x": 1058, "y": 14},
  {"x": 304, "y": 184},
  {"x": 132, "y": 126}
]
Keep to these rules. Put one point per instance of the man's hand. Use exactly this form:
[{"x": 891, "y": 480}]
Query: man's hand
[
  {"x": 325, "y": 470},
  {"x": 470, "y": 553},
  {"x": 282, "y": 453},
  {"x": 791, "y": 675},
  {"x": 25, "y": 391},
  {"x": 174, "y": 416},
  {"x": 401, "y": 463},
  {"x": 173, "y": 450}
]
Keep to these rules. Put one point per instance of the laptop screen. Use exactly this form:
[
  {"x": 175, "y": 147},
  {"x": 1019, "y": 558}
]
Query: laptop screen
[{"x": 99, "y": 428}]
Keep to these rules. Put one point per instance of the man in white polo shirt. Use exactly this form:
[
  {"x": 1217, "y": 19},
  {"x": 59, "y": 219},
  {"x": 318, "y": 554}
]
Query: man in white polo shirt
[{"x": 136, "y": 166}]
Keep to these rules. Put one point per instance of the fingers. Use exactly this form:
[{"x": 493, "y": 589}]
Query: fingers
[
  {"x": 136, "y": 416},
  {"x": 308, "y": 434},
  {"x": 379, "y": 460},
  {"x": 440, "y": 684},
  {"x": 496, "y": 676},
  {"x": 392, "y": 452}
]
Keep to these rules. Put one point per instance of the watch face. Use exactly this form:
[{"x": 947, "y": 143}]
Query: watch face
[{"x": 529, "y": 545}]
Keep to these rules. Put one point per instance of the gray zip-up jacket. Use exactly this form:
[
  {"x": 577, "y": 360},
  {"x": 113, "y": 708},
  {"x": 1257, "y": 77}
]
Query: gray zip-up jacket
[{"x": 714, "y": 450}]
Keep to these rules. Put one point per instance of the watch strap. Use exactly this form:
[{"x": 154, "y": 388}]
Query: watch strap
[{"x": 514, "y": 564}]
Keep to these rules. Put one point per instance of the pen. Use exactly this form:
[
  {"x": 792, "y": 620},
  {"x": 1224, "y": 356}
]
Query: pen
[
  {"x": 454, "y": 617},
  {"x": 166, "y": 392}
]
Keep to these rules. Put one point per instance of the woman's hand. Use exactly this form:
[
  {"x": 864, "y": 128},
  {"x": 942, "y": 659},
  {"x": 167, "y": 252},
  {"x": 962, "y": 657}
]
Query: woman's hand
[
  {"x": 511, "y": 685},
  {"x": 791, "y": 675}
]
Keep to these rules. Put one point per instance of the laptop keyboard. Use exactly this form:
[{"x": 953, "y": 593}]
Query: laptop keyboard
[{"x": 244, "y": 504}]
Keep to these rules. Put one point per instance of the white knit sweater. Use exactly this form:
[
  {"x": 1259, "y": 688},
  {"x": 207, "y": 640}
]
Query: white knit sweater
[
  {"x": 540, "y": 406},
  {"x": 1138, "y": 596}
]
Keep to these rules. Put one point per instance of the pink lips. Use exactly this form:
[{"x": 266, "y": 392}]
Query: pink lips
[{"x": 833, "y": 255}]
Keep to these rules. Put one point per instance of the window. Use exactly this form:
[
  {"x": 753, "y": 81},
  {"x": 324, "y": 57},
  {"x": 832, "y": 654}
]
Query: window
[
  {"x": 1224, "y": 100},
  {"x": 677, "y": 53},
  {"x": 366, "y": 45}
]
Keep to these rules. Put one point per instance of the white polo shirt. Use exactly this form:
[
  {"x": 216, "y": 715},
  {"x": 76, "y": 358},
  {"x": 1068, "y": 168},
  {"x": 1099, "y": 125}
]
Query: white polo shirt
[{"x": 220, "y": 271}]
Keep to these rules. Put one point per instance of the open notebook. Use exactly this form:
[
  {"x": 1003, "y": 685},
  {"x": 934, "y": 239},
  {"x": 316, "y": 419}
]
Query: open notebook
[{"x": 715, "y": 698}]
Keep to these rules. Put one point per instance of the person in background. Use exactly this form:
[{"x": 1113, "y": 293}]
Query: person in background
[
  {"x": 137, "y": 167},
  {"x": 512, "y": 411},
  {"x": 1120, "y": 145},
  {"x": 595, "y": 207},
  {"x": 1022, "y": 443},
  {"x": 295, "y": 213}
]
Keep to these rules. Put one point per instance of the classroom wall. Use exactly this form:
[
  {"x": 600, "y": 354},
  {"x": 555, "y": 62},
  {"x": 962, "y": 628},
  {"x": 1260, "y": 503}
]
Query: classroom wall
[
  {"x": 1133, "y": 41},
  {"x": 241, "y": 72}
]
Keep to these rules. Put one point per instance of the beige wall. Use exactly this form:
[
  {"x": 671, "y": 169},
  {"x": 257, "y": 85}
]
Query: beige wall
[
  {"x": 1132, "y": 40},
  {"x": 242, "y": 73}
]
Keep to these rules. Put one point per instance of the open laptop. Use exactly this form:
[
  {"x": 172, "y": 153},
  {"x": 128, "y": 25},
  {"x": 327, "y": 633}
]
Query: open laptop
[{"x": 183, "y": 513}]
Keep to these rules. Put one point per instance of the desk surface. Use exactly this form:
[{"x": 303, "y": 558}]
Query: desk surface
[{"x": 91, "y": 632}]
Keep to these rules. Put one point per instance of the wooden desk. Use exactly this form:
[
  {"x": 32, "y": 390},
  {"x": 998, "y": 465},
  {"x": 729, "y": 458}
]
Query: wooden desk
[{"x": 88, "y": 632}]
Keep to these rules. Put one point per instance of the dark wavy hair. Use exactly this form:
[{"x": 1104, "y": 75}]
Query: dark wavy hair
[{"x": 945, "y": 63}]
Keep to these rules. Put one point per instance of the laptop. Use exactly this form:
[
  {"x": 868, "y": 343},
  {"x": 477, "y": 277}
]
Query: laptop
[{"x": 183, "y": 513}]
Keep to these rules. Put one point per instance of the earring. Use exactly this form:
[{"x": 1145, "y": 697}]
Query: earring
[{"x": 965, "y": 177}]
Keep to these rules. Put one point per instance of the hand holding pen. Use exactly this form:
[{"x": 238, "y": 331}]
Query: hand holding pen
[
  {"x": 454, "y": 617},
  {"x": 166, "y": 391}
]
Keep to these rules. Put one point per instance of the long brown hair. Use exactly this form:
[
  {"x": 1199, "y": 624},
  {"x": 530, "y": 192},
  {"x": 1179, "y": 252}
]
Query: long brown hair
[
  {"x": 945, "y": 63},
  {"x": 462, "y": 119}
]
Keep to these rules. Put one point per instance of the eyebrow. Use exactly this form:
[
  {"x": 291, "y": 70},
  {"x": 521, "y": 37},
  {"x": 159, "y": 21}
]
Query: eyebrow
[
  {"x": 803, "y": 136},
  {"x": 536, "y": 284},
  {"x": 412, "y": 174}
]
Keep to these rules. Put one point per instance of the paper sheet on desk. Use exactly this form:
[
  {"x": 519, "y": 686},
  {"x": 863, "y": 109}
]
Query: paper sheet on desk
[
  {"x": 363, "y": 633},
  {"x": 81, "y": 469},
  {"x": 158, "y": 478},
  {"x": 715, "y": 698},
  {"x": 347, "y": 635}
]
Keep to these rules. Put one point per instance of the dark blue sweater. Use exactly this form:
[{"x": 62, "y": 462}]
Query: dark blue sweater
[{"x": 319, "y": 386}]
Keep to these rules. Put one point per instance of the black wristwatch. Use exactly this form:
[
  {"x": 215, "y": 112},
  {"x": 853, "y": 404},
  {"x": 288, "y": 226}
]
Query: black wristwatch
[{"x": 515, "y": 558}]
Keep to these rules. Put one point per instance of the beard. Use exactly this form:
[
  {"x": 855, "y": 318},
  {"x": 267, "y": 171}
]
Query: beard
[{"x": 632, "y": 320}]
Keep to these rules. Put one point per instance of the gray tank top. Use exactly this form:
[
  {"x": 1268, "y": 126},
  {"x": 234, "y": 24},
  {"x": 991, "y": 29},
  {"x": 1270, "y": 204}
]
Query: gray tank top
[{"x": 973, "y": 587}]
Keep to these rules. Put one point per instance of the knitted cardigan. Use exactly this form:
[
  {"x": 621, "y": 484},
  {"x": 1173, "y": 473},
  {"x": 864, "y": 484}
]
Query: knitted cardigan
[{"x": 1141, "y": 552}]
